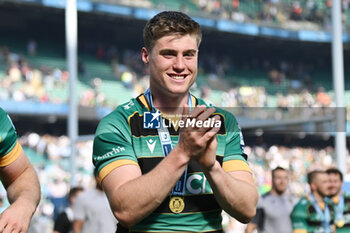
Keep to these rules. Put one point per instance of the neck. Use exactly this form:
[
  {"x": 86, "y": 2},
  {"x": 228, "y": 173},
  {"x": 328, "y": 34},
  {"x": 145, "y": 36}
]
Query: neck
[
  {"x": 337, "y": 195},
  {"x": 169, "y": 104},
  {"x": 318, "y": 197},
  {"x": 275, "y": 192}
]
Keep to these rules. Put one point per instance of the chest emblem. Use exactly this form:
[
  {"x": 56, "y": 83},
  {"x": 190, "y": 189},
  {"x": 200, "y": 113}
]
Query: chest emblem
[{"x": 151, "y": 144}]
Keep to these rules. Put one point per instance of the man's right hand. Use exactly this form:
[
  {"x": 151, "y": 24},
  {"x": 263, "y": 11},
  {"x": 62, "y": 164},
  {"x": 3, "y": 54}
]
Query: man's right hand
[{"x": 194, "y": 141}]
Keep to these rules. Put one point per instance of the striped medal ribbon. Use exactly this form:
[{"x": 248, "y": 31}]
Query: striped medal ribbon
[{"x": 176, "y": 203}]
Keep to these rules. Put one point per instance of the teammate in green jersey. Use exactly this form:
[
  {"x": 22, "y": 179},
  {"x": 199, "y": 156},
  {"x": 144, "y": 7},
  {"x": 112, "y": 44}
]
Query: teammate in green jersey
[
  {"x": 180, "y": 176},
  {"x": 340, "y": 200},
  {"x": 19, "y": 179},
  {"x": 314, "y": 213}
]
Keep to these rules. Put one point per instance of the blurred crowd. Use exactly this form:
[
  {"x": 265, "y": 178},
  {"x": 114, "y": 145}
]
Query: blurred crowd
[
  {"x": 21, "y": 81},
  {"x": 289, "y": 14},
  {"x": 217, "y": 82},
  {"x": 51, "y": 158},
  {"x": 247, "y": 96},
  {"x": 296, "y": 14}
]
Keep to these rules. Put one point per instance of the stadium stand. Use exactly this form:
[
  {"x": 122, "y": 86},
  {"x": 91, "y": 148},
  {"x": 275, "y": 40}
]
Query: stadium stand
[
  {"x": 227, "y": 79},
  {"x": 274, "y": 79}
]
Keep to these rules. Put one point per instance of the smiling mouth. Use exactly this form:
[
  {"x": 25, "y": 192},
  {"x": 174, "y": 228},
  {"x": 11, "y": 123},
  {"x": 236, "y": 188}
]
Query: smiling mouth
[{"x": 178, "y": 77}]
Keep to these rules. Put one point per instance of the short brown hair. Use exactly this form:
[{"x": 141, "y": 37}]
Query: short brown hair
[
  {"x": 277, "y": 169},
  {"x": 312, "y": 175},
  {"x": 169, "y": 23},
  {"x": 335, "y": 171}
]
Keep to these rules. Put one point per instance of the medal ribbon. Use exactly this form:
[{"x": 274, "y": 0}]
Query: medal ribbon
[
  {"x": 340, "y": 208},
  {"x": 326, "y": 216},
  {"x": 165, "y": 141}
]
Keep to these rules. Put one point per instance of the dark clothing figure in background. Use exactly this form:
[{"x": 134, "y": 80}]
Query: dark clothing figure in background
[{"x": 64, "y": 221}]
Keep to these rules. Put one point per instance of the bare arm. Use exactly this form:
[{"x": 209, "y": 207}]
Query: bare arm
[
  {"x": 23, "y": 191},
  {"x": 78, "y": 226},
  {"x": 133, "y": 196},
  {"x": 235, "y": 191},
  {"x": 251, "y": 227}
]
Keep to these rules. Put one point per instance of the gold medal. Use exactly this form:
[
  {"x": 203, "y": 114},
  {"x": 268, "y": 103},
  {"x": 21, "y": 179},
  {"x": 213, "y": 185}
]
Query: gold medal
[
  {"x": 176, "y": 204},
  {"x": 339, "y": 223}
]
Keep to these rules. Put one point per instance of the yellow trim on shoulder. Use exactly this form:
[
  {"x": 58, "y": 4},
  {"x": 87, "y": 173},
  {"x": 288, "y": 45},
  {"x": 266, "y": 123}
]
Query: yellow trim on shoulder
[
  {"x": 11, "y": 156},
  {"x": 143, "y": 100},
  {"x": 236, "y": 165},
  {"x": 115, "y": 164},
  {"x": 132, "y": 115},
  {"x": 299, "y": 231}
]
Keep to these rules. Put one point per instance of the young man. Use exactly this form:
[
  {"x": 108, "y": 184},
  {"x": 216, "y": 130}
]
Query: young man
[
  {"x": 179, "y": 177},
  {"x": 274, "y": 208},
  {"x": 18, "y": 177},
  {"x": 314, "y": 213},
  {"x": 340, "y": 199}
]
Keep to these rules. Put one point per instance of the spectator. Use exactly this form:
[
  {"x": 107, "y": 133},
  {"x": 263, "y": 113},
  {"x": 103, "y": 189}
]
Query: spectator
[
  {"x": 64, "y": 221},
  {"x": 274, "y": 208},
  {"x": 297, "y": 11},
  {"x": 92, "y": 212},
  {"x": 235, "y": 5},
  {"x": 31, "y": 47}
]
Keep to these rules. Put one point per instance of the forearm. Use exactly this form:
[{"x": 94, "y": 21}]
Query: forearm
[
  {"x": 237, "y": 197},
  {"x": 137, "y": 198},
  {"x": 78, "y": 226},
  {"x": 25, "y": 190},
  {"x": 250, "y": 228}
]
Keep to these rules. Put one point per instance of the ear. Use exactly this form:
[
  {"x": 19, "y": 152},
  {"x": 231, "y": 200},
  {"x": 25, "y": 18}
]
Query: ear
[
  {"x": 313, "y": 187},
  {"x": 145, "y": 55}
]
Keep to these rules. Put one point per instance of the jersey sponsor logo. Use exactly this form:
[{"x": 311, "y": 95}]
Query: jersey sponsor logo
[
  {"x": 114, "y": 151},
  {"x": 151, "y": 120},
  {"x": 151, "y": 144},
  {"x": 197, "y": 184}
]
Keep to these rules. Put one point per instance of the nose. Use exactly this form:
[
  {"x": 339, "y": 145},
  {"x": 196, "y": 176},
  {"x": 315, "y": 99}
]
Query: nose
[{"x": 179, "y": 64}]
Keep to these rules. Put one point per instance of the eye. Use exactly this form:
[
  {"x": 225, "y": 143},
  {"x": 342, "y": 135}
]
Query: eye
[
  {"x": 190, "y": 54},
  {"x": 168, "y": 54}
]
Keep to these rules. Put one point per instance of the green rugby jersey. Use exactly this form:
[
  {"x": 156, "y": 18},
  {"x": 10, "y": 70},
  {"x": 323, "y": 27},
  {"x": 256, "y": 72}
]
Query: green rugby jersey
[
  {"x": 346, "y": 213},
  {"x": 10, "y": 149},
  {"x": 121, "y": 139},
  {"x": 305, "y": 218}
]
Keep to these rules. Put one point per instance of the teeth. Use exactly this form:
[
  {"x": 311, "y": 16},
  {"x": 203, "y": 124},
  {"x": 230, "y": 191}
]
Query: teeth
[{"x": 178, "y": 77}]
